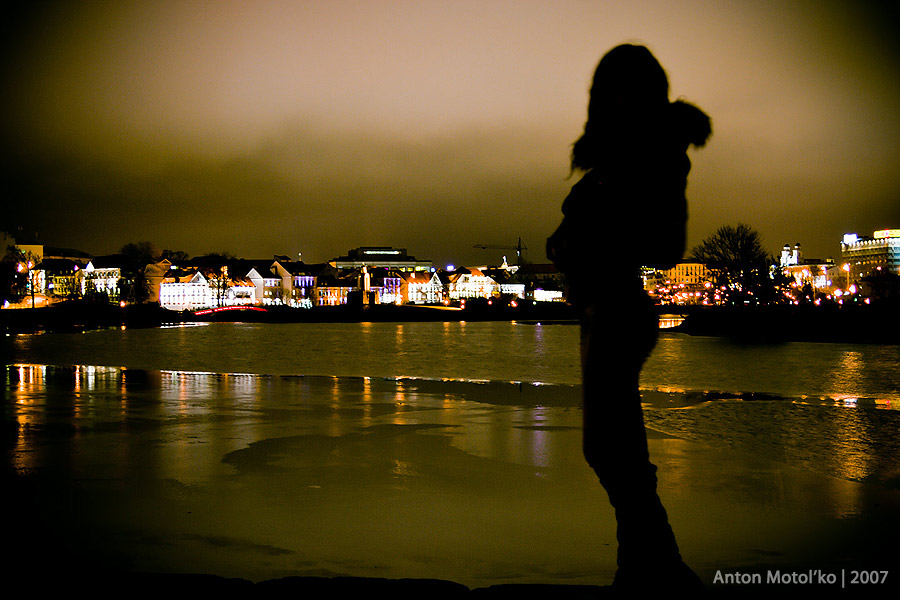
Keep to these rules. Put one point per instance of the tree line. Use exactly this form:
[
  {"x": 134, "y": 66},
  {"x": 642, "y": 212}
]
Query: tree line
[{"x": 740, "y": 265}]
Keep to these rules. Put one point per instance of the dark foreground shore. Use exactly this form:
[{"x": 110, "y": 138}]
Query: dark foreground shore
[{"x": 200, "y": 585}]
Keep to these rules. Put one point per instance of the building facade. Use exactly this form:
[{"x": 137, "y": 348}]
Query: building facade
[
  {"x": 811, "y": 272},
  {"x": 688, "y": 282},
  {"x": 870, "y": 256},
  {"x": 424, "y": 287},
  {"x": 185, "y": 291},
  {"x": 102, "y": 277},
  {"x": 470, "y": 283}
]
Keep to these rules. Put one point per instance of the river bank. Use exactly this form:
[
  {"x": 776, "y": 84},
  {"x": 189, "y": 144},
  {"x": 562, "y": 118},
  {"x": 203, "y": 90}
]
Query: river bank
[
  {"x": 876, "y": 323},
  {"x": 82, "y": 315}
]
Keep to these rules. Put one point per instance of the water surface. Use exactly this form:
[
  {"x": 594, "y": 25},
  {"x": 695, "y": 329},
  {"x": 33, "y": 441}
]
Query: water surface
[{"x": 448, "y": 450}]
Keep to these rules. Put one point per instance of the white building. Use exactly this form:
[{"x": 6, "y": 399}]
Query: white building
[
  {"x": 186, "y": 292},
  {"x": 101, "y": 278},
  {"x": 423, "y": 287},
  {"x": 471, "y": 283},
  {"x": 298, "y": 281},
  {"x": 241, "y": 292},
  {"x": 268, "y": 285}
]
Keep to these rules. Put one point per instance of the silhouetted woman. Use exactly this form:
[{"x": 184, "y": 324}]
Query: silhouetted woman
[{"x": 628, "y": 211}]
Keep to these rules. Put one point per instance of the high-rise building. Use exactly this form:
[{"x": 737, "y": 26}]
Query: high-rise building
[{"x": 869, "y": 256}]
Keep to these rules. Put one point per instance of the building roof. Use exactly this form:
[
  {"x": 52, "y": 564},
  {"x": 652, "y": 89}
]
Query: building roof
[
  {"x": 420, "y": 277},
  {"x": 384, "y": 256},
  {"x": 500, "y": 275},
  {"x": 184, "y": 276},
  {"x": 110, "y": 261},
  {"x": 295, "y": 267},
  {"x": 265, "y": 267},
  {"x": 66, "y": 253},
  {"x": 538, "y": 269},
  {"x": 60, "y": 266}
]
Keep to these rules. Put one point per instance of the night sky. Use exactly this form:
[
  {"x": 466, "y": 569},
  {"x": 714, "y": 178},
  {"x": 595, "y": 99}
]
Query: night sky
[{"x": 261, "y": 128}]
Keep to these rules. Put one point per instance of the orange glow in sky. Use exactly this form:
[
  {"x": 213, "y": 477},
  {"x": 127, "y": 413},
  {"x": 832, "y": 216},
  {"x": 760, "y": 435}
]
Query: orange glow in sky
[{"x": 282, "y": 127}]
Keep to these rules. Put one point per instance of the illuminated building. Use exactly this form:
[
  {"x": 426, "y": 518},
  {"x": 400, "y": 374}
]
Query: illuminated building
[
  {"x": 30, "y": 277},
  {"x": 195, "y": 290},
  {"x": 386, "y": 286},
  {"x": 298, "y": 281},
  {"x": 423, "y": 287},
  {"x": 868, "y": 256},
  {"x": 540, "y": 295},
  {"x": 687, "y": 273},
  {"x": 470, "y": 283},
  {"x": 812, "y": 272},
  {"x": 102, "y": 275},
  {"x": 228, "y": 290},
  {"x": 185, "y": 291},
  {"x": 63, "y": 271},
  {"x": 543, "y": 282},
  {"x": 240, "y": 292},
  {"x": 380, "y": 256},
  {"x": 268, "y": 285},
  {"x": 509, "y": 288},
  {"x": 688, "y": 282},
  {"x": 59, "y": 277},
  {"x": 505, "y": 276},
  {"x": 790, "y": 257},
  {"x": 332, "y": 289},
  {"x": 870, "y": 265}
]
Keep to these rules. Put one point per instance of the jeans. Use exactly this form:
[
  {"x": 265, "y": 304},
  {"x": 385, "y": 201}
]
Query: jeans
[{"x": 614, "y": 347}]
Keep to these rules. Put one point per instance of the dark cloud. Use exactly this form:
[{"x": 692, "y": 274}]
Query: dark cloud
[
  {"x": 304, "y": 192},
  {"x": 317, "y": 127}
]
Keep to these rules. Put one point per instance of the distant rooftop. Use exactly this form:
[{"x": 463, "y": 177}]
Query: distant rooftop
[
  {"x": 69, "y": 253},
  {"x": 381, "y": 256}
]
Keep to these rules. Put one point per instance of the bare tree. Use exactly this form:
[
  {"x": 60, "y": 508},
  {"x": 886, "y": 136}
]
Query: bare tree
[
  {"x": 135, "y": 259},
  {"x": 176, "y": 257},
  {"x": 738, "y": 261},
  {"x": 27, "y": 263}
]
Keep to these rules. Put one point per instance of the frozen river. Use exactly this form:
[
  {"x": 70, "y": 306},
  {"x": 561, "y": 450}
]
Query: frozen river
[{"x": 383, "y": 450}]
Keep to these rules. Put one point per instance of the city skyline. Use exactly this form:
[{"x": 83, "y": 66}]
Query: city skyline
[{"x": 276, "y": 128}]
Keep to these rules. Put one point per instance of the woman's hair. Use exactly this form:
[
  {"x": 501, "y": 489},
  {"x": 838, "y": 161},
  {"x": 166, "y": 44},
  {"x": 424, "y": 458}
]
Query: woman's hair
[
  {"x": 630, "y": 88},
  {"x": 631, "y": 71}
]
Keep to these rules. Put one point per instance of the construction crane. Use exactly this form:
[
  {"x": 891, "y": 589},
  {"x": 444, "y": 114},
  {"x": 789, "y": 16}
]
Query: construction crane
[{"x": 518, "y": 248}]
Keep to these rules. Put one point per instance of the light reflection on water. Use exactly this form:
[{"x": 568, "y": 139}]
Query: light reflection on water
[
  {"x": 194, "y": 418},
  {"x": 338, "y": 470},
  {"x": 852, "y": 440},
  {"x": 819, "y": 405},
  {"x": 481, "y": 352},
  {"x": 670, "y": 321}
]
